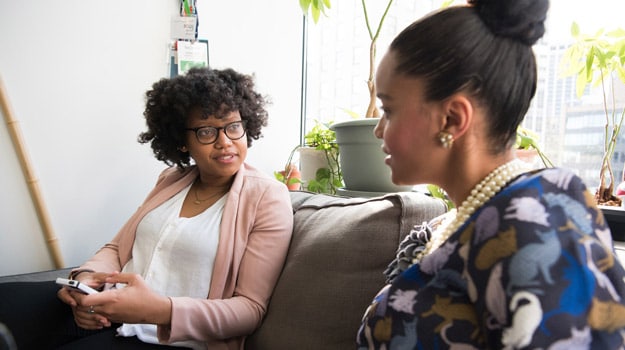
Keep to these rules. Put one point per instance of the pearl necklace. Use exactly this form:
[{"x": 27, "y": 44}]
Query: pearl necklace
[{"x": 479, "y": 195}]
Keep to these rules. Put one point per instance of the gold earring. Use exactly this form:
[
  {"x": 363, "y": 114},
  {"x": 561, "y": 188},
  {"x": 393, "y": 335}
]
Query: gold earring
[
  {"x": 446, "y": 139},
  {"x": 183, "y": 149}
]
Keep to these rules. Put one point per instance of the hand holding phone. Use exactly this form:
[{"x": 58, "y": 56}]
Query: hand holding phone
[{"x": 75, "y": 285}]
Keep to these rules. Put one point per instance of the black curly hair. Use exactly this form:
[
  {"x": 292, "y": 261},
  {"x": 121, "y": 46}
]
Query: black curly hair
[{"x": 215, "y": 92}]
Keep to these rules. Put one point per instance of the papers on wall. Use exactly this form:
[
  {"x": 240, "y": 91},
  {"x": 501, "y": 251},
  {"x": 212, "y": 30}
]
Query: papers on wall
[{"x": 191, "y": 54}]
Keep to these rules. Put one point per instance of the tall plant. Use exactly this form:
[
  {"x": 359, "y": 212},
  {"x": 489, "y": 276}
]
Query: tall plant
[
  {"x": 317, "y": 7},
  {"x": 372, "y": 110},
  {"x": 598, "y": 60}
]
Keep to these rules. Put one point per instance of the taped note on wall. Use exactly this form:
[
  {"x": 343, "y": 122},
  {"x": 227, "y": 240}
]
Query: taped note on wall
[{"x": 191, "y": 54}]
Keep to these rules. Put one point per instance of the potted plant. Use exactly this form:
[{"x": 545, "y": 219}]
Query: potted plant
[
  {"x": 362, "y": 160},
  {"x": 319, "y": 169},
  {"x": 597, "y": 60}
]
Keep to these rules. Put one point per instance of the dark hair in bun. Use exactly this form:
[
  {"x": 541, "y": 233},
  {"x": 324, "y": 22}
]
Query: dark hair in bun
[
  {"x": 484, "y": 50},
  {"x": 523, "y": 20}
]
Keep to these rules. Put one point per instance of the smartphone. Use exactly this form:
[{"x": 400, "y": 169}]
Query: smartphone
[{"x": 75, "y": 285}]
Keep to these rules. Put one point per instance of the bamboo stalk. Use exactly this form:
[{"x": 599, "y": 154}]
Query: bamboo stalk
[{"x": 31, "y": 180}]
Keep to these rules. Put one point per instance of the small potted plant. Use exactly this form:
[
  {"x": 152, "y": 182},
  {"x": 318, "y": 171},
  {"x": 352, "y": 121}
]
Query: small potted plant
[{"x": 319, "y": 169}]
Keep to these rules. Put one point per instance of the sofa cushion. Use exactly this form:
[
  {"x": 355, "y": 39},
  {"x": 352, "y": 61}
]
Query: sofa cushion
[{"x": 339, "y": 250}]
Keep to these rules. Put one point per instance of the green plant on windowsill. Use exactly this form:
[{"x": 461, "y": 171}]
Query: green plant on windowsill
[{"x": 327, "y": 179}]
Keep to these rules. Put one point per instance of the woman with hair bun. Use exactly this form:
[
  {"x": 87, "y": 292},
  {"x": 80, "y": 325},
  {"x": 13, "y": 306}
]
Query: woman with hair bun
[{"x": 526, "y": 260}]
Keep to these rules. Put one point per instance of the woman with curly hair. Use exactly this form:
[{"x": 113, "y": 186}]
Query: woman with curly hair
[
  {"x": 525, "y": 261},
  {"x": 196, "y": 264}
]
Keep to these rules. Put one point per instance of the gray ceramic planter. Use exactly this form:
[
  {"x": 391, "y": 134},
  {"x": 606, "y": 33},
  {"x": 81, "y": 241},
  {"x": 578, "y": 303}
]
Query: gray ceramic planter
[{"x": 361, "y": 157}]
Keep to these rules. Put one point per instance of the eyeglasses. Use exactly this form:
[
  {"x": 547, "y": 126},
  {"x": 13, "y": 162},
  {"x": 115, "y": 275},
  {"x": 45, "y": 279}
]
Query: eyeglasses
[{"x": 209, "y": 134}]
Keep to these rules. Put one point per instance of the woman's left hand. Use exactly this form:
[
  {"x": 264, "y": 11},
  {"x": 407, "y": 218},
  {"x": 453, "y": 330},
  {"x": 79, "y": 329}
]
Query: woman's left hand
[
  {"x": 132, "y": 302},
  {"x": 85, "y": 316}
]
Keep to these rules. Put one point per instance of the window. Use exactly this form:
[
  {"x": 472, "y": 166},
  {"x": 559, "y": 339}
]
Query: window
[{"x": 570, "y": 129}]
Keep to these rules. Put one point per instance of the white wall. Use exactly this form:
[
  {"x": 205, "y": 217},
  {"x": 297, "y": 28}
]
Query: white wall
[
  {"x": 263, "y": 38},
  {"x": 76, "y": 73}
]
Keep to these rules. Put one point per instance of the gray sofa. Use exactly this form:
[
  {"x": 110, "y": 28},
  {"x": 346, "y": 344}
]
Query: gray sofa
[{"x": 339, "y": 250}]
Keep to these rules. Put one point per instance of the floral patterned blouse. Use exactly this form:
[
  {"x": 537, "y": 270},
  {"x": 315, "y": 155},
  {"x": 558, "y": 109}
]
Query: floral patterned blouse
[{"x": 534, "y": 268}]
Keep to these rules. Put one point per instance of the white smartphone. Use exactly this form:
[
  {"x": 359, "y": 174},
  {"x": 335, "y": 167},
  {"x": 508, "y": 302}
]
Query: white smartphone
[{"x": 75, "y": 285}]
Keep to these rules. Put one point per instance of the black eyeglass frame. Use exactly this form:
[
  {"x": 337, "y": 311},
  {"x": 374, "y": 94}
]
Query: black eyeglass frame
[{"x": 217, "y": 130}]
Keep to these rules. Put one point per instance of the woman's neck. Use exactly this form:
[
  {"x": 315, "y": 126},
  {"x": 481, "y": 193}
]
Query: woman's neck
[
  {"x": 207, "y": 183},
  {"x": 469, "y": 171}
]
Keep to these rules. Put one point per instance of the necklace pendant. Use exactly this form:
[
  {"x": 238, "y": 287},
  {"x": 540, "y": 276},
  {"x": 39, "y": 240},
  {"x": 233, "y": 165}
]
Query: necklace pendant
[{"x": 197, "y": 202}]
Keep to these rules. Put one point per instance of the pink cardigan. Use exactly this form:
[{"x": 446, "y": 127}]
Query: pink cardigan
[{"x": 254, "y": 238}]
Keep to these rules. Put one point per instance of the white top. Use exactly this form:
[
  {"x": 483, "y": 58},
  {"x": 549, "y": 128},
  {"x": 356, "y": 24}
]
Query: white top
[{"x": 175, "y": 256}]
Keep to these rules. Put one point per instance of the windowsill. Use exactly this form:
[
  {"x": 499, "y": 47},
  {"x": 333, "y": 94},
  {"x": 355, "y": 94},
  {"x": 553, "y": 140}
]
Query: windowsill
[
  {"x": 616, "y": 221},
  {"x": 619, "y": 247}
]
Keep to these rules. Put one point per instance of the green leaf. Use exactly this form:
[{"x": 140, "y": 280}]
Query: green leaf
[
  {"x": 278, "y": 176},
  {"x": 293, "y": 181},
  {"x": 321, "y": 137},
  {"x": 315, "y": 13},
  {"x": 589, "y": 60},
  {"x": 523, "y": 142},
  {"x": 322, "y": 174},
  {"x": 575, "y": 29},
  {"x": 314, "y": 186},
  {"x": 314, "y": 7},
  {"x": 304, "y": 4},
  {"x": 337, "y": 182},
  {"x": 439, "y": 193},
  {"x": 526, "y": 138},
  {"x": 617, "y": 33},
  {"x": 447, "y": 3}
]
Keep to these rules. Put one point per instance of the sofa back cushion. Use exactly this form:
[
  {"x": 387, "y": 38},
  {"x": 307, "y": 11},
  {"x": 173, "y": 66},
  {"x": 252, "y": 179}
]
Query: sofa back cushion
[{"x": 334, "y": 267}]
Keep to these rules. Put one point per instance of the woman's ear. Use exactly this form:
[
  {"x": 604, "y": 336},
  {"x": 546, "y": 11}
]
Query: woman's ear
[{"x": 459, "y": 114}]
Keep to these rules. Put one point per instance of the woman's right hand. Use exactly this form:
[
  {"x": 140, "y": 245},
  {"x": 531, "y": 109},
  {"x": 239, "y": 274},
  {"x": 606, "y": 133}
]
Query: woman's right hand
[{"x": 84, "y": 316}]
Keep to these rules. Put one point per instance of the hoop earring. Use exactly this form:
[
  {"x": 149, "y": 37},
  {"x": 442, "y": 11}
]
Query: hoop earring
[
  {"x": 446, "y": 139},
  {"x": 183, "y": 149}
]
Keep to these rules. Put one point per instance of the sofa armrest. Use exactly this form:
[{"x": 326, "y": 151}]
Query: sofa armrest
[{"x": 49, "y": 275}]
